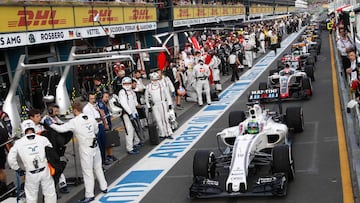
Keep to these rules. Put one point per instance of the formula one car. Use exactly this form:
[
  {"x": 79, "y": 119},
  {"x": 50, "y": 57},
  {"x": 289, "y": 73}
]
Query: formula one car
[
  {"x": 288, "y": 84},
  {"x": 257, "y": 159},
  {"x": 301, "y": 62}
]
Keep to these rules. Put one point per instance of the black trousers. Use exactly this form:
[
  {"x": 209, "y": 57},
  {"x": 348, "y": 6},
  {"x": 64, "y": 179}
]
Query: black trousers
[{"x": 235, "y": 72}]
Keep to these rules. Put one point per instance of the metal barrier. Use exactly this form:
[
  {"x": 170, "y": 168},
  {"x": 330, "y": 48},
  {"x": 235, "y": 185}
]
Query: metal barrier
[{"x": 351, "y": 123}]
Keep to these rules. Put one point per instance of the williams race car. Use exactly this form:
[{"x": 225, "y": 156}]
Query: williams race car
[
  {"x": 288, "y": 84},
  {"x": 256, "y": 160}
]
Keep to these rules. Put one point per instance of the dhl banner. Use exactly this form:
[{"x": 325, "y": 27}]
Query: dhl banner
[
  {"x": 63, "y": 17},
  {"x": 139, "y": 14},
  {"x": 181, "y": 13},
  {"x": 32, "y": 18}
]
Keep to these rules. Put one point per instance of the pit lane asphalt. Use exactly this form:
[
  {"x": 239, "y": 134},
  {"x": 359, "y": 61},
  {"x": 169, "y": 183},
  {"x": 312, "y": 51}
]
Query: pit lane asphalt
[{"x": 316, "y": 154}]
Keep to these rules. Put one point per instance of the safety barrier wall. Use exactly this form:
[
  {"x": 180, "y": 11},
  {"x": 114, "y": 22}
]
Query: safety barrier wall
[{"x": 351, "y": 122}]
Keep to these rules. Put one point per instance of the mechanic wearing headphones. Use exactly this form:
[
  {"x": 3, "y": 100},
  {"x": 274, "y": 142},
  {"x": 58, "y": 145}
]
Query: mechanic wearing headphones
[{"x": 52, "y": 118}]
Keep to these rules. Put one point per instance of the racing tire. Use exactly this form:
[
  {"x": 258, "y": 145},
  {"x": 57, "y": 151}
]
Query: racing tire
[
  {"x": 204, "y": 164},
  {"x": 310, "y": 60},
  {"x": 271, "y": 72},
  {"x": 309, "y": 70},
  {"x": 306, "y": 85},
  {"x": 282, "y": 161},
  {"x": 314, "y": 54},
  {"x": 295, "y": 119},
  {"x": 236, "y": 117},
  {"x": 262, "y": 86}
]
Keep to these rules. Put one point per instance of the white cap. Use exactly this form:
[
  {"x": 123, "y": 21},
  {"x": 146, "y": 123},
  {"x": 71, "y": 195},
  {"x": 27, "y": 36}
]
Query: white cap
[
  {"x": 126, "y": 80},
  {"x": 27, "y": 124},
  {"x": 154, "y": 76}
]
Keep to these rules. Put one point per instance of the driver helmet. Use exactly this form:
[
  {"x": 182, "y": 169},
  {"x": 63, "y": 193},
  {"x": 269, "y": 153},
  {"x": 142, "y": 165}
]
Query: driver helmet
[{"x": 253, "y": 127}]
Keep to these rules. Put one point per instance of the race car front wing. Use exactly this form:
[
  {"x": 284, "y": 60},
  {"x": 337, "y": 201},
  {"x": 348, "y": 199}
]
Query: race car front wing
[{"x": 275, "y": 185}]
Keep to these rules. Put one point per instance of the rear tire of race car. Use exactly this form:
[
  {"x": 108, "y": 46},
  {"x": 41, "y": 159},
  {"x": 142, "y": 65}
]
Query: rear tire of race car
[
  {"x": 262, "y": 86},
  {"x": 306, "y": 85},
  {"x": 309, "y": 70},
  {"x": 204, "y": 164},
  {"x": 295, "y": 118},
  {"x": 236, "y": 117},
  {"x": 310, "y": 60},
  {"x": 314, "y": 54},
  {"x": 283, "y": 161}
]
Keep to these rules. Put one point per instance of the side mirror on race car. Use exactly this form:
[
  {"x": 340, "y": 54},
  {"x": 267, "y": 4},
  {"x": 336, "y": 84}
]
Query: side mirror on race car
[{"x": 351, "y": 104}]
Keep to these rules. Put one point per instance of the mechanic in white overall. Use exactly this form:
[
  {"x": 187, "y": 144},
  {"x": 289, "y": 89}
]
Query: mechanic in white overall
[
  {"x": 214, "y": 65},
  {"x": 262, "y": 41},
  {"x": 248, "y": 48},
  {"x": 128, "y": 101},
  {"x": 31, "y": 150},
  {"x": 201, "y": 74},
  {"x": 159, "y": 96},
  {"x": 85, "y": 128}
]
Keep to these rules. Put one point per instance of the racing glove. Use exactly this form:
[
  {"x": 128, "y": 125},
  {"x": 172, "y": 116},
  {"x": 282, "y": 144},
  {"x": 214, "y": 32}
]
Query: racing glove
[{"x": 20, "y": 172}]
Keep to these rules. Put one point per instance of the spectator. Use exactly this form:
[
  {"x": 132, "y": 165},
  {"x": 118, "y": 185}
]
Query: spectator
[
  {"x": 343, "y": 45},
  {"x": 85, "y": 128},
  {"x": 352, "y": 70}
]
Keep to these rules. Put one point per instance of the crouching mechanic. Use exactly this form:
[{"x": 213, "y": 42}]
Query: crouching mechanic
[
  {"x": 85, "y": 129},
  {"x": 31, "y": 150}
]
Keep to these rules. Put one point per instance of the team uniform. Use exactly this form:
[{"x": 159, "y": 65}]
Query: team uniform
[
  {"x": 202, "y": 73},
  {"x": 159, "y": 96},
  {"x": 31, "y": 150},
  {"x": 128, "y": 101},
  {"x": 85, "y": 129}
]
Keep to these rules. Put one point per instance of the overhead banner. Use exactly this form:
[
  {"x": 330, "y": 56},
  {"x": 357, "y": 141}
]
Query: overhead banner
[
  {"x": 139, "y": 14},
  {"x": 183, "y": 13}
]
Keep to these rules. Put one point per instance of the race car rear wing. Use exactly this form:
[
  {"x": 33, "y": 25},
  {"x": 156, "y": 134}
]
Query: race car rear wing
[{"x": 266, "y": 95}]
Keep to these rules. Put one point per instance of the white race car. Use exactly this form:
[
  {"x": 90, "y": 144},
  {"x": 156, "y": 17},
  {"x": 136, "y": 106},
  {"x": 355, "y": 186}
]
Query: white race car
[{"x": 257, "y": 159}]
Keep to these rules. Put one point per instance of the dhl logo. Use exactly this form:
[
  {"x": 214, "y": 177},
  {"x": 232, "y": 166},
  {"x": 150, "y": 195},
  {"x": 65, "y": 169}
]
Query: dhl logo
[
  {"x": 183, "y": 12},
  {"x": 200, "y": 12},
  {"x": 104, "y": 14},
  {"x": 140, "y": 14},
  {"x": 225, "y": 11},
  {"x": 234, "y": 10},
  {"x": 36, "y": 18},
  {"x": 214, "y": 12}
]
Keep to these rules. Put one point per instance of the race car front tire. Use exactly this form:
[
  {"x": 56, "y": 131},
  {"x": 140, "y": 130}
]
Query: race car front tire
[
  {"x": 236, "y": 117},
  {"x": 295, "y": 119},
  {"x": 283, "y": 161},
  {"x": 204, "y": 164}
]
